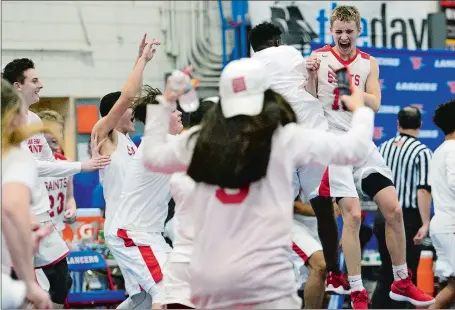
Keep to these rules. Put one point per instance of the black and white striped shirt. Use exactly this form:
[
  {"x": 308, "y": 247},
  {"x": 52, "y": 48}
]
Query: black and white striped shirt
[{"x": 409, "y": 159}]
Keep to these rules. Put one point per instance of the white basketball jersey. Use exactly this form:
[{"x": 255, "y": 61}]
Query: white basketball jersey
[
  {"x": 287, "y": 73},
  {"x": 38, "y": 147},
  {"x": 182, "y": 186},
  {"x": 359, "y": 67},
  {"x": 112, "y": 176},
  {"x": 143, "y": 204},
  {"x": 57, "y": 189}
]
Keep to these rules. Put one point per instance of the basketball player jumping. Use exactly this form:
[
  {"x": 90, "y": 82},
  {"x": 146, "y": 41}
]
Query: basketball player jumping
[
  {"x": 52, "y": 251},
  {"x": 286, "y": 70},
  {"x": 117, "y": 121},
  {"x": 372, "y": 177},
  {"x": 135, "y": 236},
  {"x": 242, "y": 158}
]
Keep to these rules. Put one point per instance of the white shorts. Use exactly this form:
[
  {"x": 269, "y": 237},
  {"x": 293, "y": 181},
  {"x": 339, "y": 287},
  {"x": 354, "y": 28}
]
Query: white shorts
[
  {"x": 444, "y": 245},
  {"x": 52, "y": 249},
  {"x": 309, "y": 177},
  {"x": 131, "y": 284},
  {"x": 303, "y": 246},
  {"x": 176, "y": 284},
  {"x": 346, "y": 181},
  {"x": 142, "y": 256}
]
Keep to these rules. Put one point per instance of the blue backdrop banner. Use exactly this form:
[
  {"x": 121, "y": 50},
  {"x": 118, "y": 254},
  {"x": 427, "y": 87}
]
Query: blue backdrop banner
[{"x": 412, "y": 77}]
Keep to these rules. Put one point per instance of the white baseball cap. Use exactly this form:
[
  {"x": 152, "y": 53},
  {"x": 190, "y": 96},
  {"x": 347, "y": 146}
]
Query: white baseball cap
[{"x": 242, "y": 86}]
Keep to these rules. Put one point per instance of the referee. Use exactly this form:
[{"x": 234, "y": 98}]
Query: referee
[{"x": 409, "y": 159}]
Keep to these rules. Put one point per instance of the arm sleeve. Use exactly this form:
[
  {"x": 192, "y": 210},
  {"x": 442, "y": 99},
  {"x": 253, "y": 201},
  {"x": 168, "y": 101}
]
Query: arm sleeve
[
  {"x": 423, "y": 164},
  {"x": 23, "y": 170},
  {"x": 48, "y": 166},
  {"x": 321, "y": 147},
  {"x": 161, "y": 154}
]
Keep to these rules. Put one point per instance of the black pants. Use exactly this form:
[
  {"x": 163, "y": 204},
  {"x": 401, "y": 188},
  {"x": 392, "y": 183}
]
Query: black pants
[
  {"x": 59, "y": 279},
  {"x": 412, "y": 223}
]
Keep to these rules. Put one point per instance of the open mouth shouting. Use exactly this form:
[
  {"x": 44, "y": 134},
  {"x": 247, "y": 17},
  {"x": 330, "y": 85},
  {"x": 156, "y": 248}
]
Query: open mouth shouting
[{"x": 345, "y": 47}]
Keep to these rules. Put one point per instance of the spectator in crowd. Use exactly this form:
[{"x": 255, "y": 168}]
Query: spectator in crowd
[{"x": 409, "y": 159}]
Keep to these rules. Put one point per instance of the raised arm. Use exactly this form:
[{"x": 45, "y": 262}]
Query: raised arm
[
  {"x": 160, "y": 154},
  {"x": 320, "y": 147},
  {"x": 372, "y": 95},
  {"x": 129, "y": 92},
  {"x": 312, "y": 66}
]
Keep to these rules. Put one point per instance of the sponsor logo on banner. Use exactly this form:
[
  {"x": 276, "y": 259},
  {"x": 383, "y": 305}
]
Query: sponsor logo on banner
[
  {"x": 378, "y": 133},
  {"x": 409, "y": 86},
  {"x": 389, "y": 109},
  {"x": 416, "y": 62},
  {"x": 444, "y": 63},
  {"x": 384, "y": 23},
  {"x": 77, "y": 260},
  {"x": 388, "y": 62},
  {"x": 431, "y": 134},
  {"x": 451, "y": 86}
]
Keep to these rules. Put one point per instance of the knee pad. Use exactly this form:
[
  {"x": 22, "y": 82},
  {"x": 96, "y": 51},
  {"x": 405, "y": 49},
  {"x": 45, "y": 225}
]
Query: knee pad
[
  {"x": 60, "y": 281},
  {"x": 374, "y": 183}
]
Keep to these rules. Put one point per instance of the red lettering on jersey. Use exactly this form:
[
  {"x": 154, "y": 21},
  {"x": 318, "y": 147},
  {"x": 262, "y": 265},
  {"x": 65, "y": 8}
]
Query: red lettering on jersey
[
  {"x": 236, "y": 198},
  {"x": 131, "y": 150},
  {"x": 61, "y": 204},
  {"x": 35, "y": 148},
  {"x": 57, "y": 184},
  {"x": 356, "y": 79}
]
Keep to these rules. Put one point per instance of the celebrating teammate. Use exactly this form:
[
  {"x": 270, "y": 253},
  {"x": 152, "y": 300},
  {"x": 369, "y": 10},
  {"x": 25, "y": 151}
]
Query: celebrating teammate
[
  {"x": 61, "y": 198},
  {"x": 442, "y": 179},
  {"x": 242, "y": 158},
  {"x": 117, "y": 121},
  {"x": 286, "y": 70},
  {"x": 372, "y": 177},
  {"x": 51, "y": 255},
  {"x": 135, "y": 237}
]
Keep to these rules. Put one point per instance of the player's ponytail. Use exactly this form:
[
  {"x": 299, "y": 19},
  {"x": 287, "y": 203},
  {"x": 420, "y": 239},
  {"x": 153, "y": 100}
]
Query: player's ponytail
[{"x": 10, "y": 106}]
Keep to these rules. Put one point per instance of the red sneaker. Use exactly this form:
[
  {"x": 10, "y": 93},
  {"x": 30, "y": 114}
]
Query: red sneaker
[
  {"x": 337, "y": 284},
  {"x": 405, "y": 290},
  {"x": 359, "y": 299}
]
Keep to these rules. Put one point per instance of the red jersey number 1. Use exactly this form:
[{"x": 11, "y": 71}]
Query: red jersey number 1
[{"x": 337, "y": 102}]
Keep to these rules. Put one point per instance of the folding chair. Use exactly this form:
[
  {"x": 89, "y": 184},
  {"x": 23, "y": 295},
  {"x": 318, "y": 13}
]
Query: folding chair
[{"x": 78, "y": 263}]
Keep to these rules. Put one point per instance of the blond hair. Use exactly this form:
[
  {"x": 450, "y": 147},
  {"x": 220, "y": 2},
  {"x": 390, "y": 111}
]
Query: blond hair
[
  {"x": 51, "y": 116},
  {"x": 10, "y": 106},
  {"x": 345, "y": 13}
]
